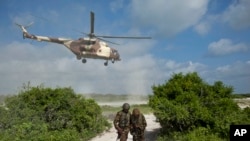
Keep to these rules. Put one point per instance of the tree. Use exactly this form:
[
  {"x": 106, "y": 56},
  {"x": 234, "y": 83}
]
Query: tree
[
  {"x": 39, "y": 113},
  {"x": 188, "y": 105}
]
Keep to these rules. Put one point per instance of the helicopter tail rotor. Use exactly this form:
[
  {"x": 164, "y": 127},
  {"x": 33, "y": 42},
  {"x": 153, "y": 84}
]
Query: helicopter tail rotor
[{"x": 23, "y": 28}]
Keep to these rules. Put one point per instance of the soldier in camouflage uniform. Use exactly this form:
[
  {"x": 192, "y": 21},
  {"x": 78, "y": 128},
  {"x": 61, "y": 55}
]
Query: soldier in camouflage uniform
[
  {"x": 122, "y": 122},
  {"x": 137, "y": 125}
]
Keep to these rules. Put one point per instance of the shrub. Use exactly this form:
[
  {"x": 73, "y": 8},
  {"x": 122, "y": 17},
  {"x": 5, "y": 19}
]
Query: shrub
[
  {"x": 187, "y": 106},
  {"x": 39, "y": 113}
]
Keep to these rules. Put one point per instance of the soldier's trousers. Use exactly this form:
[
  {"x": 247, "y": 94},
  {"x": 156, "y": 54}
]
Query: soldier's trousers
[
  {"x": 124, "y": 134},
  {"x": 138, "y": 138}
]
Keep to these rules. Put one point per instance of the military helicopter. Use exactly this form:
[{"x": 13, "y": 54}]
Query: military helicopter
[{"x": 93, "y": 46}]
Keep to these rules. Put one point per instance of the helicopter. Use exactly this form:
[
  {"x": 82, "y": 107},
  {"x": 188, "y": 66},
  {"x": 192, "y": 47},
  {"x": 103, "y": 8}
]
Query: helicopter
[{"x": 93, "y": 46}]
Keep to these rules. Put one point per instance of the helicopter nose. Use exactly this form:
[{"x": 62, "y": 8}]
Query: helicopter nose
[
  {"x": 115, "y": 54},
  {"x": 118, "y": 56}
]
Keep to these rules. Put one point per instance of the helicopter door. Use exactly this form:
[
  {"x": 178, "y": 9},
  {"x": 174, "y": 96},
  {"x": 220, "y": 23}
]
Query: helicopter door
[{"x": 104, "y": 51}]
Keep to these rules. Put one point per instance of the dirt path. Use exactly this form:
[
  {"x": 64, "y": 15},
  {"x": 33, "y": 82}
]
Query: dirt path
[{"x": 150, "y": 134}]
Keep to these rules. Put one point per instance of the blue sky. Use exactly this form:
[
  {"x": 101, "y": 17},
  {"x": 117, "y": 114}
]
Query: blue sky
[{"x": 210, "y": 37}]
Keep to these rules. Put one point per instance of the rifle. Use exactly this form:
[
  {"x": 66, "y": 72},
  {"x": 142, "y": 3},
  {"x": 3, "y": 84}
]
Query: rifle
[
  {"x": 136, "y": 133},
  {"x": 118, "y": 136}
]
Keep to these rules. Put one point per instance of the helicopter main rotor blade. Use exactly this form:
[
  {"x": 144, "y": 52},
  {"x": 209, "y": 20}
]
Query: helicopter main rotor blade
[
  {"x": 92, "y": 22},
  {"x": 107, "y": 41},
  {"x": 126, "y": 37}
]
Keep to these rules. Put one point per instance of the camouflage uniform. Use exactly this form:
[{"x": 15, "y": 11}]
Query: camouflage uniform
[
  {"x": 122, "y": 122},
  {"x": 138, "y": 125}
]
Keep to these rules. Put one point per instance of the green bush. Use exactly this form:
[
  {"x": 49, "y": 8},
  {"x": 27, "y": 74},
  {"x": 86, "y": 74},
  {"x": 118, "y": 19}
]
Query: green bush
[
  {"x": 39, "y": 113},
  {"x": 198, "y": 134},
  {"x": 187, "y": 106}
]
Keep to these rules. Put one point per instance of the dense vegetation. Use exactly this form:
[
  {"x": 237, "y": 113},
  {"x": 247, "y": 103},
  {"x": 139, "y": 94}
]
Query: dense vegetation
[
  {"x": 190, "y": 109},
  {"x": 39, "y": 113},
  {"x": 247, "y": 95}
]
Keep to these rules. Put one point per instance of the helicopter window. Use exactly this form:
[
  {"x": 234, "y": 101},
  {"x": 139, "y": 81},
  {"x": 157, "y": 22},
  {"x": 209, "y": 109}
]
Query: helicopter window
[
  {"x": 114, "y": 51},
  {"x": 89, "y": 42}
]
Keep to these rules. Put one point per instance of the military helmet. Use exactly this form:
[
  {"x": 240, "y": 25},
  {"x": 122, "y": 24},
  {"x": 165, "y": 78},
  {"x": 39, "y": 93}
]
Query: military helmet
[{"x": 125, "y": 106}]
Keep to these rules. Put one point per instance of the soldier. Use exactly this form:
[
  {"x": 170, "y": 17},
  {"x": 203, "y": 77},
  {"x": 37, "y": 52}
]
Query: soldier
[
  {"x": 122, "y": 122},
  {"x": 138, "y": 125}
]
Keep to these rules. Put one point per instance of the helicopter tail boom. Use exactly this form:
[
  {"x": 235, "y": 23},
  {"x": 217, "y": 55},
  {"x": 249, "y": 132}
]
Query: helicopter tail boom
[{"x": 41, "y": 38}]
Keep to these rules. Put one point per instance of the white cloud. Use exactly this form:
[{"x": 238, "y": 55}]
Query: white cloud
[
  {"x": 22, "y": 18},
  {"x": 54, "y": 65},
  {"x": 167, "y": 16},
  {"x": 184, "y": 67},
  {"x": 202, "y": 28},
  {"x": 238, "y": 68},
  {"x": 236, "y": 75},
  {"x": 237, "y": 14},
  {"x": 22, "y": 62},
  {"x": 225, "y": 47},
  {"x": 130, "y": 49},
  {"x": 116, "y": 5}
]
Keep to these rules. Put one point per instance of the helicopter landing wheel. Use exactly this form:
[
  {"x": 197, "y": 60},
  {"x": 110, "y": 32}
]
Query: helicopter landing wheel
[
  {"x": 113, "y": 61},
  {"x": 84, "y": 60},
  {"x": 106, "y": 63}
]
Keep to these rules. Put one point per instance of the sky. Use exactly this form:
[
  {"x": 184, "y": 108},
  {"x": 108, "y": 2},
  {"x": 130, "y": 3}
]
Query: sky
[{"x": 210, "y": 37}]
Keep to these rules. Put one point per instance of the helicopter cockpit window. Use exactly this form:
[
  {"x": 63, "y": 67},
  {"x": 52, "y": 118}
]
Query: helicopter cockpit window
[{"x": 114, "y": 51}]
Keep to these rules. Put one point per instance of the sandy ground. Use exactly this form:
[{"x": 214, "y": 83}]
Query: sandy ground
[
  {"x": 243, "y": 103},
  {"x": 150, "y": 134}
]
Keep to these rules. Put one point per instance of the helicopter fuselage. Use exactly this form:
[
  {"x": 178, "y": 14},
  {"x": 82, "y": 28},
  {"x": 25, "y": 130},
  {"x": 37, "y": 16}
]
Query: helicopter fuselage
[
  {"x": 91, "y": 47},
  {"x": 83, "y": 47}
]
